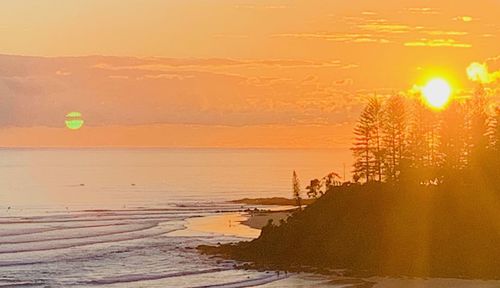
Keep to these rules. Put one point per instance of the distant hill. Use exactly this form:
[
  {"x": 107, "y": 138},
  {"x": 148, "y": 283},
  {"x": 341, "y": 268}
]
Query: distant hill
[{"x": 383, "y": 229}]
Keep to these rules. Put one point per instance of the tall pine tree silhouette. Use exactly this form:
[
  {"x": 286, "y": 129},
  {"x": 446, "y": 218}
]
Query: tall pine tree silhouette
[{"x": 367, "y": 146}]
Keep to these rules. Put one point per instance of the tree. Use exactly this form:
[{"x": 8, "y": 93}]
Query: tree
[
  {"x": 314, "y": 189},
  {"x": 356, "y": 177},
  {"x": 477, "y": 127},
  {"x": 422, "y": 154},
  {"x": 453, "y": 145},
  {"x": 494, "y": 131},
  {"x": 362, "y": 146},
  {"x": 377, "y": 118},
  {"x": 424, "y": 139},
  {"x": 296, "y": 190},
  {"x": 331, "y": 180},
  {"x": 367, "y": 143},
  {"x": 394, "y": 136}
]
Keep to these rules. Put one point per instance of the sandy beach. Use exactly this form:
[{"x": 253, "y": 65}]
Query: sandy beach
[
  {"x": 239, "y": 224},
  {"x": 229, "y": 224}
]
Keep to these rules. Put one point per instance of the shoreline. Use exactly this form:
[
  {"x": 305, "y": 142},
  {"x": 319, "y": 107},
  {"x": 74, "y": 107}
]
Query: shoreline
[
  {"x": 223, "y": 224},
  {"x": 245, "y": 224}
]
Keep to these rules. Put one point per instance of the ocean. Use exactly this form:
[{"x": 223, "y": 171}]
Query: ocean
[{"x": 114, "y": 217}]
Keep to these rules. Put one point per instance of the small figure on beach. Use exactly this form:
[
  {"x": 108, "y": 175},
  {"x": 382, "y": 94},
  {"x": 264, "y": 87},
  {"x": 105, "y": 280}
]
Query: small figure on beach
[{"x": 278, "y": 273}]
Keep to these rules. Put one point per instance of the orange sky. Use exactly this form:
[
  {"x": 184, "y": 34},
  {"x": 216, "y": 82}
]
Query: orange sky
[{"x": 224, "y": 73}]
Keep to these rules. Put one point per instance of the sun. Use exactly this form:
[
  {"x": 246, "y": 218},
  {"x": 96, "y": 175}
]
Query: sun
[{"x": 437, "y": 93}]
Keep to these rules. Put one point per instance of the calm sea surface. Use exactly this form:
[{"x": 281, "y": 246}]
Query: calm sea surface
[{"x": 106, "y": 217}]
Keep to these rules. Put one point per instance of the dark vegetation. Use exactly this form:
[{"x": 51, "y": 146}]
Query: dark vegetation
[
  {"x": 429, "y": 205},
  {"x": 384, "y": 229}
]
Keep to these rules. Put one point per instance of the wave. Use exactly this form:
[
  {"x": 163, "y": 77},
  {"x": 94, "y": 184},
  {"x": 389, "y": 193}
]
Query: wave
[
  {"x": 64, "y": 257},
  {"x": 41, "y": 221},
  {"x": 245, "y": 283},
  {"x": 146, "y": 277},
  {"x": 5, "y": 249},
  {"x": 28, "y": 231},
  {"x": 17, "y": 232},
  {"x": 56, "y": 238},
  {"x": 17, "y": 284}
]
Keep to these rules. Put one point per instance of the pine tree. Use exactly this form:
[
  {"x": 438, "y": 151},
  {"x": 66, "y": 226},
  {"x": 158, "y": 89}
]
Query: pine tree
[
  {"x": 477, "y": 127},
  {"x": 452, "y": 145},
  {"x": 424, "y": 137},
  {"x": 394, "y": 138},
  {"x": 423, "y": 157},
  {"x": 362, "y": 146},
  {"x": 495, "y": 141},
  {"x": 367, "y": 147},
  {"x": 296, "y": 190},
  {"x": 377, "y": 116},
  {"x": 494, "y": 131}
]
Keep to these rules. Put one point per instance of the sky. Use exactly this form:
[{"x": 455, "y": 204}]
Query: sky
[{"x": 203, "y": 73}]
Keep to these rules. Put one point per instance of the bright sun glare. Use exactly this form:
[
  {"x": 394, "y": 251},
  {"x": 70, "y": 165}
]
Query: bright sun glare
[{"x": 436, "y": 93}]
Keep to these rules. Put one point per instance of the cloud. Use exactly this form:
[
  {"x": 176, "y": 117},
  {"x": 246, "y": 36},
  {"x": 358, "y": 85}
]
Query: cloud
[
  {"x": 118, "y": 76},
  {"x": 338, "y": 37},
  {"x": 231, "y": 36},
  {"x": 384, "y": 27},
  {"x": 343, "y": 82},
  {"x": 464, "y": 18},
  {"x": 445, "y": 33},
  {"x": 170, "y": 76},
  {"x": 423, "y": 10},
  {"x": 62, "y": 73},
  {"x": 479, "y": 72},
  {"x": 198, "y": 63},
  {"x": 265, "y": 7},
  {"x": 437, "y": 43},
  {"x": 134, "y": 91},
  {"x": 367, "y": 29}
]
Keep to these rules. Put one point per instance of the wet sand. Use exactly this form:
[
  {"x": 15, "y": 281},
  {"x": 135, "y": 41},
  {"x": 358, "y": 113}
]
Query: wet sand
[{"x": 228, "y": 224}]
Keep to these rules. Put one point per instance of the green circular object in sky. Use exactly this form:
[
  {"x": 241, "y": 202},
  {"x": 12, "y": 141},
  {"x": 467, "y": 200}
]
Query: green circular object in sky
[{"x": 74, "y": 120}]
